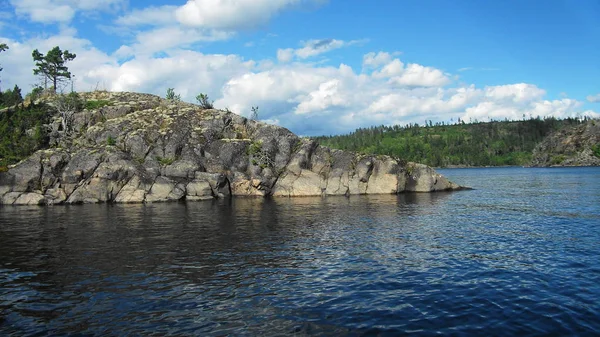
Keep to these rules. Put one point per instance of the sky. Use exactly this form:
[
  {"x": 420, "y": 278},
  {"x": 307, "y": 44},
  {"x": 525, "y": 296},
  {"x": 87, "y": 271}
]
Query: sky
[{"x": 323, "y": 67}]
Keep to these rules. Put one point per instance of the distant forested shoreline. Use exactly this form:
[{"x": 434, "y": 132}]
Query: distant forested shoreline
[{"x": 496, "y": 143}]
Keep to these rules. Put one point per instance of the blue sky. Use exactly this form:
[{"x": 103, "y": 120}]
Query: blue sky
[{"x": 325, "y": 66}]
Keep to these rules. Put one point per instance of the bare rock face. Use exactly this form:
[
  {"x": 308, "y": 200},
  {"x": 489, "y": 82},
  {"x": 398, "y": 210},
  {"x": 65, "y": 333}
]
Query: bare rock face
[
  {"x": 574, "y": 146},
  {"x": 141, "y": 148}
]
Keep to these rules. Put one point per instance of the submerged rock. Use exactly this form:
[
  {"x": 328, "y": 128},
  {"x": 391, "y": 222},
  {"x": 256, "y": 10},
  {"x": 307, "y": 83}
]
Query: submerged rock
[{"x": 141, "y": 148}]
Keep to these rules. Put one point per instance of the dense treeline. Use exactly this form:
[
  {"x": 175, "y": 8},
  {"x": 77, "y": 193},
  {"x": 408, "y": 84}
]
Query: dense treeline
[
  {"x": 23, "y": 128},
  {"x": 494, "y": 143}
]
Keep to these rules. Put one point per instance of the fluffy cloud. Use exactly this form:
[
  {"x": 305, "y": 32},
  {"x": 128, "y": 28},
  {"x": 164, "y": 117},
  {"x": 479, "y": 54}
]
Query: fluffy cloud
[
  {"x": 307, "y": 98},
  {"x": 43, "y": 11},
  {"x": 189, "y": 72},
  {"x": 313, "y": 48},
  {"x": 383, "y": 66},
  {"x": 393, "y": 68},
  {"x": 162, "y": 39},
  {"x": 196, "y": 21},
  {"x": 420, "y": 76},
  {"x": 562, "y": 108},
  {"x": 375, "y": 60},
  {"x": 285, "y": 55},
  {"x": 327, "y": 95},
  {"x": 322, "y": 99},
  {"x": 517, "y": 93},
  {"x": 232, "y": 14},
  {"x": 62, "y": 11},
  {"x": 156, "y": 30},
  {"x": 151, "y": 16},
  {"x": 594, "y": 98},
  {"x": 281, "y": 87}
]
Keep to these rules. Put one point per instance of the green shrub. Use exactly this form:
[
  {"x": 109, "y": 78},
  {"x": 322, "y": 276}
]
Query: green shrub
[
  {"x": 165, "y": 161},
  {"x": 172, "y": 96},
  {"x": 204, "y": 101},
  {"x": 71, "y": 102},
  {"x": 254, "y": 148},
  {"x": 596, "y": 150},
  {"x": 96, "y": 104},
  {"x": 111, "y": 141},
  {"x": 410, "y": 170},
  {"x": 557, "y": 160},
  {"x": 259, "y": 157},
  {"x": 36, "y": 92}
]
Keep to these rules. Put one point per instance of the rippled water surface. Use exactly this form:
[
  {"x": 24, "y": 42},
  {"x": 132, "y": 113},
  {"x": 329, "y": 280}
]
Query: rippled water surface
[{"x": 518, "y": 255}]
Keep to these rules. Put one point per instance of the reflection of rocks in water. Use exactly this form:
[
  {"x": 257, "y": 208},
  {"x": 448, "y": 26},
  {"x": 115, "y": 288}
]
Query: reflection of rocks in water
[
  {"x": 194, "y": 241},
  {"x": 423, "y": 198},
  {"x": 131, "y": 234},
  {"x": 199, "y": 252}
]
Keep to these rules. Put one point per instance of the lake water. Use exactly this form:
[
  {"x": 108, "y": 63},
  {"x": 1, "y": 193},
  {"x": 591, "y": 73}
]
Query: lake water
[{"x": 519, "y": 255}]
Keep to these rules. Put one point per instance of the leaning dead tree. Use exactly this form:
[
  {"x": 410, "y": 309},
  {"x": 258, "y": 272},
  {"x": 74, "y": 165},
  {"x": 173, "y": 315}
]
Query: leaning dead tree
[{"x": 67, "y": 106}]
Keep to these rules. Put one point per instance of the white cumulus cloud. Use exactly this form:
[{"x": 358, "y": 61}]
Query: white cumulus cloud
[
  {"x": 188, "y": 72},
  {"x": 383, "y": 66},
  {"x": 325, "y": 96},
  {"x": 232, "y": 14},
  {"x": 162, "y": 39},
  {"x": 391, "y": 68},
  {"x": 418, "y": 75},
  {"x": 520, "y": 92}
]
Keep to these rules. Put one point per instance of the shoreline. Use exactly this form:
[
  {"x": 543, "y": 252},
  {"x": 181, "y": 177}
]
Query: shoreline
[{"x": 509, "y": 166}]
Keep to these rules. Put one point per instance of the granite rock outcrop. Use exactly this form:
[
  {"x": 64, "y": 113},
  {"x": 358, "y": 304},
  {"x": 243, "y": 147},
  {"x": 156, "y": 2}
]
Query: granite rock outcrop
[{"x": 137, "y": 148}]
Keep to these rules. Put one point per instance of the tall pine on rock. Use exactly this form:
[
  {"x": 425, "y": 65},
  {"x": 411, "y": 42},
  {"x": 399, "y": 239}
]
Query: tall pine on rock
[{"x": 52, "y": 65}]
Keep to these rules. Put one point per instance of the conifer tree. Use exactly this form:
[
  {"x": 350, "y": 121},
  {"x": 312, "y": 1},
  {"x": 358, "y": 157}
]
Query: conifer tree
[{"x": 52, "y": 65}]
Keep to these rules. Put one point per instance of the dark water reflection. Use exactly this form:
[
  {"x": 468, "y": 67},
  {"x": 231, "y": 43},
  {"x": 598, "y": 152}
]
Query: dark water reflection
[{"x": 518, "y": 255}]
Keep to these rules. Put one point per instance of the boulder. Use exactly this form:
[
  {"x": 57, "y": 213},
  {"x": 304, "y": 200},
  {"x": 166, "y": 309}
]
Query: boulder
[{"x": 30, "y": 199}]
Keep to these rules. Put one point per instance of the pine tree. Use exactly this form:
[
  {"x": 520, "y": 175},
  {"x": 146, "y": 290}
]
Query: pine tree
[{"x": 52, "y": 65}]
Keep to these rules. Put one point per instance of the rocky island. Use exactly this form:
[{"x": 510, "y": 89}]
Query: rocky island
[{"x": 134, "y": 148}]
